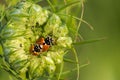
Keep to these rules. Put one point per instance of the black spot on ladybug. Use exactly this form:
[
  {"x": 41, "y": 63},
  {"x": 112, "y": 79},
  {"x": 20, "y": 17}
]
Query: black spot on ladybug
[
  {"x": 37, "y": 48},
  {"x": 48, "y": 41}
]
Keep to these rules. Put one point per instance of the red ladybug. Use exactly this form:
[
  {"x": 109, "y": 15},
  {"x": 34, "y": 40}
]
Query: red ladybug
[
  {"x": 36, "y": 49},
  {"x": 41, "y": 45}
]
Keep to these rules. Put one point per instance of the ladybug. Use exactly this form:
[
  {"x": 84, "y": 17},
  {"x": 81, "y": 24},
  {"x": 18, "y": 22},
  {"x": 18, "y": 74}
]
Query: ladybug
[
  {"x": 46, "y": 42},
  {"x": 41, "y": 45},
  {"x": 36, "y": 49},
  {"x": 43, "y": 41}
]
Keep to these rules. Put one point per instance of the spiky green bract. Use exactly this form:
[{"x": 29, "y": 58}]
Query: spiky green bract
[{"x": 24, "y": 24}]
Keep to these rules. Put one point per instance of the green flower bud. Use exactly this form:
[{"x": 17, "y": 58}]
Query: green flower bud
[
  {"x": 52, "y": 24},
  {"x": 27, "y": 22},
  {"x": 64, "y": 41},
  {"x": 60, "y": 31},
  {"x": 56, "y": 56}
]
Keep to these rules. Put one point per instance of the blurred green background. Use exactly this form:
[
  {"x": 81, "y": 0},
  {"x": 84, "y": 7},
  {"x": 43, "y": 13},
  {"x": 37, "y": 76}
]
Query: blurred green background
[{"x": 104, "y": 56}]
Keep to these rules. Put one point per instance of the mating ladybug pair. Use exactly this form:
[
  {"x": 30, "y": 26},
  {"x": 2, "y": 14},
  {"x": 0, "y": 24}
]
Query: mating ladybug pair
[{"x": 41, "y": 45}]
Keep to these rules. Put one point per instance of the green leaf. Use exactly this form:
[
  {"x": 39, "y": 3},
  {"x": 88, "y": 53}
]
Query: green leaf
[
  {"x": 88, "y": 41},
  {"x": 77, "y": 18},
  {"x": 69, "y": 60},
  {"x": 68, "y": 5},
  {"x": 34, "y": 1},
  {"x": 52, "y": 7},
  {"x": 2, "y": 14},
  {"x": 74, "y": 69},
  {"x": 11, "y": 2},
  {"x": 69, "y": 71}
]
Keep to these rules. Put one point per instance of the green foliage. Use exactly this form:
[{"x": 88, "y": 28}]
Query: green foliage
[{"x": 88, "y": 41}]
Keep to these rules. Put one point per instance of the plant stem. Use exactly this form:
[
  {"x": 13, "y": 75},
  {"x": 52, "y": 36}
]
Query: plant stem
[
  {"x": 61, "y": 69},
  {"x": 76, "y": 58},
  {"x": 52, "y": 7},
  {"x": 69, "y": 71}
]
